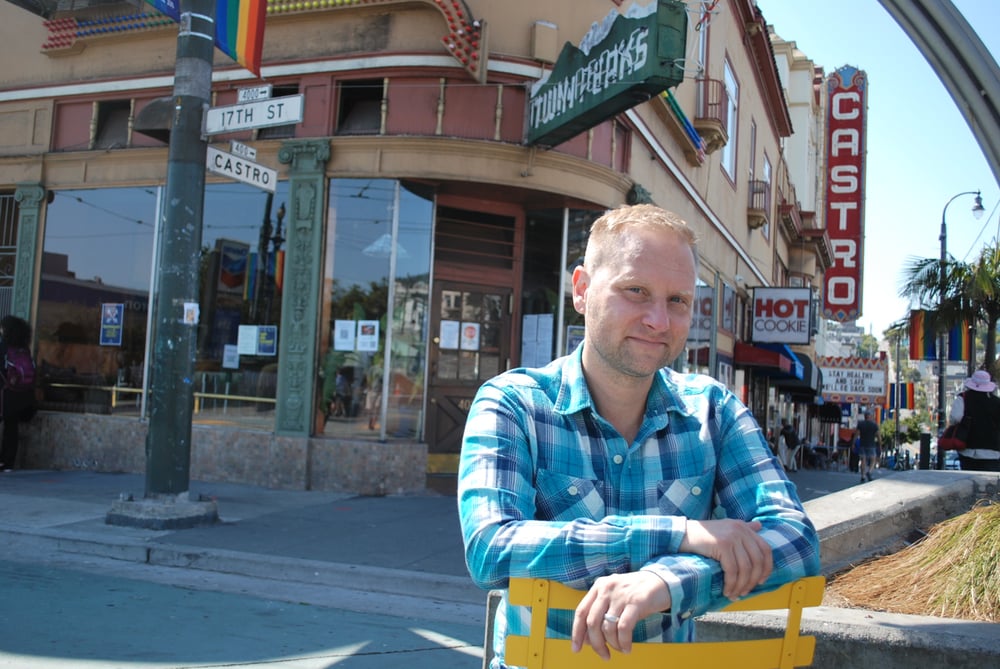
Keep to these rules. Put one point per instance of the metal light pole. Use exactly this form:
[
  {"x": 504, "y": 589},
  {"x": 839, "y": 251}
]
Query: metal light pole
[{"x": 942, "y": 352}]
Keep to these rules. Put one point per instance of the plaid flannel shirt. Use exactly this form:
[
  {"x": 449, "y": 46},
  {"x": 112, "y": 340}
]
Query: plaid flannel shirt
[{"x": 549, "y": 489}]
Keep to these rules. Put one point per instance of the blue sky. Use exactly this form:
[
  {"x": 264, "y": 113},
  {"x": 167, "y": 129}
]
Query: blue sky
[{"x": 920, "y": 150}]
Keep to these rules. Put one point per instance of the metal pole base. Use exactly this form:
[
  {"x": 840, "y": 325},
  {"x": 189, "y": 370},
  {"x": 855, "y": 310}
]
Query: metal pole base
[{"x": 163, "y": 512}]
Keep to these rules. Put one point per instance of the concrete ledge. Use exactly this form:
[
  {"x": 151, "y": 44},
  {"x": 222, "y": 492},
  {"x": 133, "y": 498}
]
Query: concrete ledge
[
  {"x": 858, "y": 523},
  {"x": 861, "y": 521}
]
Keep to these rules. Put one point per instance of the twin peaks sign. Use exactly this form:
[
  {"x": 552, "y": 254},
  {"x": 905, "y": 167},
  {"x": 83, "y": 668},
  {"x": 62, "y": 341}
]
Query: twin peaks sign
[{"x": 621, "y": 62}]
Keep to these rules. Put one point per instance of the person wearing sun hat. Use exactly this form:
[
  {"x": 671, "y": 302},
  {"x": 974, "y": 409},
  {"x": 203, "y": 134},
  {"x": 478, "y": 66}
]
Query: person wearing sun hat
[{"x": 981, "y": 404}]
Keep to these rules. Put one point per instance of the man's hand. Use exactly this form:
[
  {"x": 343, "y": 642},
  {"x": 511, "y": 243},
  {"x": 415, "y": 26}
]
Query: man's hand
[
  {"x": 745, "y": 557},
  {"x": 614, "y": 605}
]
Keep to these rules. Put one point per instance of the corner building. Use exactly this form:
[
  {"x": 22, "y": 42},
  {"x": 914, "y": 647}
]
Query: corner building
[{"x": 415, "y": 244}]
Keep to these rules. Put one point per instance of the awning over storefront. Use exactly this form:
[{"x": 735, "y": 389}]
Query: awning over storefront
[
  {"x": 830, "y": 413},
  {"x": 772, "y": 359},
  {"x": 811, "y": 382}
]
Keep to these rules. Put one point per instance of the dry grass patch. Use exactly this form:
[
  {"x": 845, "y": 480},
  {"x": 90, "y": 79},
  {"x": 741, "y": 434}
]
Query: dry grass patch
[{"x": 953, "y": 572}]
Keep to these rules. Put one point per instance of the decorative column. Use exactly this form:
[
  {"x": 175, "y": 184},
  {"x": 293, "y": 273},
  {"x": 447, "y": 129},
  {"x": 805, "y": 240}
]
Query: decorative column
[
  {"x": 29, "y": 198},
  {"x": 299, "y": 333}
]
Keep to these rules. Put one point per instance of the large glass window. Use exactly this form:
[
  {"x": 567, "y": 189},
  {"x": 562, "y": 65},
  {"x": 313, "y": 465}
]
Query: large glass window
[
  {"x": 93, "y": 309},
  {"x": 242, "y": 266},
  {"x": 378, "y": 253},
  {"x": 577, "y": 234},
  {"x": 93, "y": 299}
]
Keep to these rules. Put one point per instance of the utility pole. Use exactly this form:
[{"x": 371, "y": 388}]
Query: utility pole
[{"x": 171, "y": 390}]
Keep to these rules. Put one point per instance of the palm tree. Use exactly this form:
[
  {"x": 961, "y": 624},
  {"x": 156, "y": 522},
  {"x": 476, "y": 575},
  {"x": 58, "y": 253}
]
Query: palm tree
[{"x": 970, "y": 294}]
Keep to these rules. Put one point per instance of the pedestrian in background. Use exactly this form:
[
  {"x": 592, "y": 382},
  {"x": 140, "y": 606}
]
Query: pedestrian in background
[
  {"x": 867, "y": 446},
  {"x": 17, "y": 395},
  {"x": 980, "y": 403},
  {"x": 608, "y": 471},
  {"x": 788, "y": 446}
]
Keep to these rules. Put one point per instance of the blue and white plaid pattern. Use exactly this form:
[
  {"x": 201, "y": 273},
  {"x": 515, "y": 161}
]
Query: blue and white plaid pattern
[{"x": 549, "y": 489}]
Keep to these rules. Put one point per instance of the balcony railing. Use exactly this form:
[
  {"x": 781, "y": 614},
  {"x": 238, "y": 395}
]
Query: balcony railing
[
  {"x": 758, "y": 203},
  {"x": 711, "y": 117}
]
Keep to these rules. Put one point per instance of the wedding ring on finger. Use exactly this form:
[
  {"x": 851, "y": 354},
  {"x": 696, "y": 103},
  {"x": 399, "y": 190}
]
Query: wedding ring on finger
[{"x": 610, "y": 618}]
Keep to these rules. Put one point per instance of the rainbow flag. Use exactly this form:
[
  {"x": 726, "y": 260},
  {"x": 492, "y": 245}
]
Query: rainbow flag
[
  {"x": 960, "y": 342},
  {"x": 907, "y": 398},
  {"x": 239, "y": 28},
  {"x": 922, "y": 344},
  {"x": 239, "y": 31}
]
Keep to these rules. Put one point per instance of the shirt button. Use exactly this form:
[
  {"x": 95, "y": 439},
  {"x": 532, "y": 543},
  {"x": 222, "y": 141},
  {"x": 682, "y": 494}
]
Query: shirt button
[
  {"x": 572, "y": 490},
  {"x": 618, "y": 459},
  {"x": 696, "y": 490}
]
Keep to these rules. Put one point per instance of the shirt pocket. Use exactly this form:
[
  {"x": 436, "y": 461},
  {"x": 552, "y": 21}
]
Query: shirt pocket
[
  {"x": 690, "y": 496},
  {"x": 563, "y": 497}
]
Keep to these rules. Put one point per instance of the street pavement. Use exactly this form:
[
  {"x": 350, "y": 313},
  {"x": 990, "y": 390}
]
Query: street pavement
[{"x": 289, "y": 579}]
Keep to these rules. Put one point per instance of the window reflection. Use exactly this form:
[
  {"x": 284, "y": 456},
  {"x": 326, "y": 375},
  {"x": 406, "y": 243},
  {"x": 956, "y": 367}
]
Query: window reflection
[
  {"x": 97, "y": 251},
  {"x": 93, "y": 302},
  {"x": 371, "y": 224}
]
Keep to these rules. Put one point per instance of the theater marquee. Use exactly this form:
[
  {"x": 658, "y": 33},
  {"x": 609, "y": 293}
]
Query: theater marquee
[{"x": 847, "y": 90}]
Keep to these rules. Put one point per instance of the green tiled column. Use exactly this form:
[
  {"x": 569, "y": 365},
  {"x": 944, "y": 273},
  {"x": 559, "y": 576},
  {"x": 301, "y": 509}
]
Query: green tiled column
[
  {"x": 29, "y": 198},
  {"x": 297, "y": 367}
]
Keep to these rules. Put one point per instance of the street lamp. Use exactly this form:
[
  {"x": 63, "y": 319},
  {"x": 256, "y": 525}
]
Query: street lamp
[{"x": 977, "y": 211}]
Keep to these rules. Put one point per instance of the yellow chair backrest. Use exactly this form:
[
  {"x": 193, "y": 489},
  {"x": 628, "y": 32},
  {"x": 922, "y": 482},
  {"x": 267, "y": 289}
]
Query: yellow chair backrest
[{"x": 537, "y": 651}]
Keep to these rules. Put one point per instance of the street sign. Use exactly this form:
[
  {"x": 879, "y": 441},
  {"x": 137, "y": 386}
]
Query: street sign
[
  {"x": 261, "y": 114},
  {"x": 242, "y": 150},
  {"x": 234, "y": 167},
  {"x": 253, "y": 94}
]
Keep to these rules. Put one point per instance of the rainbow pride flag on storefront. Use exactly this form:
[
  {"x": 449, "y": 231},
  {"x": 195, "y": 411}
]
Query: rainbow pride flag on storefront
[{"x": 239, "y": 28}]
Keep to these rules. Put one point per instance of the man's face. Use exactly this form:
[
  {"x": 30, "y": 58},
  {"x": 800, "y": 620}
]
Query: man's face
[{"x": 637, "y": 304}]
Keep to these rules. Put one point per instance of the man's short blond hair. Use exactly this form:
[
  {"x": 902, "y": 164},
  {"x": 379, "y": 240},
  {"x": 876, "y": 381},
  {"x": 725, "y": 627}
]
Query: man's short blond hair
[{"x": 602, "y": 246}]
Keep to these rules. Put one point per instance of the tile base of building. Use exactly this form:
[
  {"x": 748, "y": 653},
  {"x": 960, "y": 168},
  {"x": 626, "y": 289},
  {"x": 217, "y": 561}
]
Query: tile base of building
[{"x": 110, "y": 444}]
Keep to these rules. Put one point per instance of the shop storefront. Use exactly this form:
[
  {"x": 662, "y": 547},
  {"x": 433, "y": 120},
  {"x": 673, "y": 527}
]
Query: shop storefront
[{"x": 415, "y": 243}]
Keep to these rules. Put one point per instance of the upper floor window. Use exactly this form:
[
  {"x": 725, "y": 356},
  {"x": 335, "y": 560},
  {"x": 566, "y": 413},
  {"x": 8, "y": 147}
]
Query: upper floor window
[
  {"x": 733, "y": 94},
  {"x": 766, "y": 178}
]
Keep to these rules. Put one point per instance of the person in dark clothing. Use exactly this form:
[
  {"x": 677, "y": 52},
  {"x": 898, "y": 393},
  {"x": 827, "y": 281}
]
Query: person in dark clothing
[
  {"x": 15, "y": 398},
  {"x": 980, "y": 403},
  {"x": 867, "y": 446}
]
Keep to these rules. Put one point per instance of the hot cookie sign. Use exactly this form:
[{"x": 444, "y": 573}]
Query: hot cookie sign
[
  {"x": 845, "y": 156},
  {"x": 782, "y": 315}
]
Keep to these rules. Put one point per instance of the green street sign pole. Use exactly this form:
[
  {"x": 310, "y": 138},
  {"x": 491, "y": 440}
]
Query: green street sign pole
[{"x": 176, "y": 317}]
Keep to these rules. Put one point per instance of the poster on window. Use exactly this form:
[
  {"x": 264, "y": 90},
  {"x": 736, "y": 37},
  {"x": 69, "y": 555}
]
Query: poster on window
[
  {"x": 449, "y": 335},
  {"x": 367, "y": 335},
  {"x": 267, "y": 340},
  {"x": 233, "y": 258},
  {"x": 343, "y": 335},
  {"x": 470, "y": 337},
  {"x": 112, "y": 315},
  {"x": 246, "y": 340}
]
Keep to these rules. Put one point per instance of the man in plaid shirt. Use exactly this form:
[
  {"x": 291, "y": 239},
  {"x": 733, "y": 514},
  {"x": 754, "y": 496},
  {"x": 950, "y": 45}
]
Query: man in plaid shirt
[{"x": 607, "y": 471}]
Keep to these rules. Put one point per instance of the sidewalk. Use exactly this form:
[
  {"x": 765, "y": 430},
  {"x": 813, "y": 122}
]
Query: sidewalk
[{"x": 402, "y": 545}]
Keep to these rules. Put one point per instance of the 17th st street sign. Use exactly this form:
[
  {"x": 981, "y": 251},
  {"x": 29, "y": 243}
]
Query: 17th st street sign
[
  {"x": 234, "y": 167},
  {"x": 260, "y": 114}
]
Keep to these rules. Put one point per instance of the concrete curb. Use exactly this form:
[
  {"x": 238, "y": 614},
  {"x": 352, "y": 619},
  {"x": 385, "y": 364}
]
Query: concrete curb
[{"x": 439, "y": 587}]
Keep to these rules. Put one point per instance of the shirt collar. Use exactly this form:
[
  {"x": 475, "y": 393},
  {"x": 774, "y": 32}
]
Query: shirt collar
[{"x": 574, "y": 395}]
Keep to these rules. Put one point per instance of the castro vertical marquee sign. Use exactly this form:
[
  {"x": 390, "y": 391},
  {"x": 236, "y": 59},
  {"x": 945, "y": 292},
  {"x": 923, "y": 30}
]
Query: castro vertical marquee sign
[{"x": 847, "y": 90}]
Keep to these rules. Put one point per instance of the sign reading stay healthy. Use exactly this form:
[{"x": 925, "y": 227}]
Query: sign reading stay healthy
[{"x": 621, "y": 62}]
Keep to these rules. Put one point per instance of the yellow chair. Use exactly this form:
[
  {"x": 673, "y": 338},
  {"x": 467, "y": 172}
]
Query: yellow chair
[{"x": 537, "y": 651}]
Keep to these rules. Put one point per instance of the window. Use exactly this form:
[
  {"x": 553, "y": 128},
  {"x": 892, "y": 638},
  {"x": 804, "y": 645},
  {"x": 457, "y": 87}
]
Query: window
[
  {"x": 112, "y": 124},
  {"x": 360, "y": 111},
  {"x": 279, "y": 131},
  {"x": 732, "y": 93},
  {"x": 371, "y": 223},
  {"x": 766, "y": 178}
]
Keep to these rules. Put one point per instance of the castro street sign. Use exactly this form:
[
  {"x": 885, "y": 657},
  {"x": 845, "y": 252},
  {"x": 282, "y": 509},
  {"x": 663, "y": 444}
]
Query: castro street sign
[{"x": 621, "y": 62}]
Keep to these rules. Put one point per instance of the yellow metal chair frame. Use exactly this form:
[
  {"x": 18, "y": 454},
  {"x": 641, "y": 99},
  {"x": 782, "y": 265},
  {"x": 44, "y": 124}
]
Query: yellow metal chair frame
[{"x": 537, "y": 651}]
